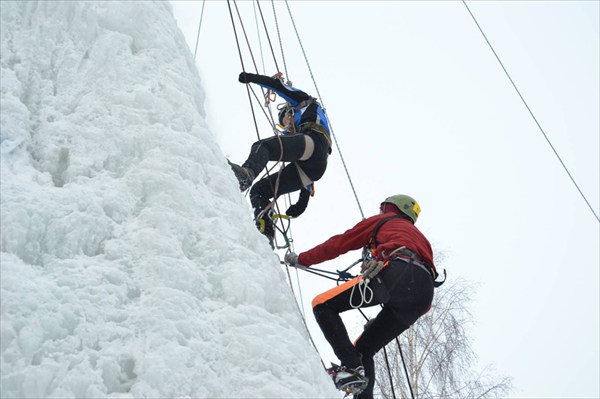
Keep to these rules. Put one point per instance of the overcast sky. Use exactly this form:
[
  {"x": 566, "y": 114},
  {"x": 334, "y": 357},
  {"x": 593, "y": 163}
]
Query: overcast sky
[{"x": 419, "y": 105}]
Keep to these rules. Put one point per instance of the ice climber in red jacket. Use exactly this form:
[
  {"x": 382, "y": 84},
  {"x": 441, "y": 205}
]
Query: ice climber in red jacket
[{"x": 399, "y": 274}]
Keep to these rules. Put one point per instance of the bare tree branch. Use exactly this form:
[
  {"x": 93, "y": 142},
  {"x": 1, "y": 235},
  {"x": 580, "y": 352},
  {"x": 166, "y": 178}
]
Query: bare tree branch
[{"x": 439, "y": 354}]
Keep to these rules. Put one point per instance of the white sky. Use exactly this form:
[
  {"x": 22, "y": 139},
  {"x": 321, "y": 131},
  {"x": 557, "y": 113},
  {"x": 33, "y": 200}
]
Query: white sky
[
  {"x": 420, "y": 106},
  {"x": 120, "y": 273}
]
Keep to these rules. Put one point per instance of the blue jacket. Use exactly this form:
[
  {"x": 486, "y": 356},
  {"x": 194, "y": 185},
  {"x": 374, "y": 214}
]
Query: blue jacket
[{"x": 313, "y": 113}]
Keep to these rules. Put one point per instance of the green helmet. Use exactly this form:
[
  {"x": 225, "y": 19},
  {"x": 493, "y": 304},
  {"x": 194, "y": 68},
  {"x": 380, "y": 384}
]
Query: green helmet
[{"x": 406, "y": 205}]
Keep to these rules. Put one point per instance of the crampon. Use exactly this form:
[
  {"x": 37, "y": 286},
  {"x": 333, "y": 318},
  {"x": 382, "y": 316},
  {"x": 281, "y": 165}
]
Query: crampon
[{"x": 348, "y": 380}]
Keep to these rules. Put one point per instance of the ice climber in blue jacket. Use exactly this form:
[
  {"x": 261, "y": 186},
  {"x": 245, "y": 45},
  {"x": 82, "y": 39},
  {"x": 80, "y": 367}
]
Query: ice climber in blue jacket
[{"x": 305, "y": 143}]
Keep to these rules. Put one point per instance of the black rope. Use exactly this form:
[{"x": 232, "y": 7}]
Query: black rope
[
  {"x": 387, "y": 362},
  {"x": 237, "y": 42},
  {"x": 276, "y": 64},
  {"x": 245, "y": 35},
  {"x": 267, "y": 34},
  {"x": 280, "y": 43},
  {"x": 301, "y": 312},
  {"x": 389, "y": 370},
  {"x": 270, "y": 118},
  {"x": 412, "y": 395},
  {"x": 267, "y": 115},
  {"x": 319, "y": 272},
  {"x": 248, "y": 88},
  {"x": 531, "y": 113}
]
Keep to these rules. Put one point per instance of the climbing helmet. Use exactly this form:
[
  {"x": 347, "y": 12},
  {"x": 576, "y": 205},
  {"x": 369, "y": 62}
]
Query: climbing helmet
[
  {"x": 284, "y": 109},
  {"x": 406, "y": 204}
]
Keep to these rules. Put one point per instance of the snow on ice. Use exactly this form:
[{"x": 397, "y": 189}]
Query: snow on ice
[{"x": 130, "y": 263}]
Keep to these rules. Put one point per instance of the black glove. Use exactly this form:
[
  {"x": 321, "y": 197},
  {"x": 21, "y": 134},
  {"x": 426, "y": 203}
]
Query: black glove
[
  {"x": 246, "y": 77},
  {"x": 299, "y": 207}
]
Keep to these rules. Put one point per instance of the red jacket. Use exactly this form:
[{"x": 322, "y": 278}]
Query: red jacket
[{"x": 392, "y": 234}]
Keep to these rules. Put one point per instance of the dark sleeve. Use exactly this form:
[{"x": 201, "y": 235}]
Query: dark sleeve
[
  {"x": 290, "y": 94},
  {"x": 299, "y": 207}
]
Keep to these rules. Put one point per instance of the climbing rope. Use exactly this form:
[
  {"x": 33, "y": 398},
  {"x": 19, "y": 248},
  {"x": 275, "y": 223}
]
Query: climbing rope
[
  {"x": 245, "y": 35},
  {"x": 365, "y": 290},
  {"x": 389, "y": 370},
  {"x": 304, "y": 320},
  {"x": 268, "y": 37},
  {"x": 279, "y": 37},
  {"x": 325, "y": 110},
  {"x": 269, "y": 116},
  {"x": 199, "y": 26},
  {"x": 243, "y": 67},
  {"x": 531, "y": 113},
  {"x": 412, "y": 395},
  {"x": 251, "y": 90},
  {"x": 387, "y": 363}
]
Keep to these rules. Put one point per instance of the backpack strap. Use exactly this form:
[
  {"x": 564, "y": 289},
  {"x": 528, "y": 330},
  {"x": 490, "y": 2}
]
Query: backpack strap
[{"x": 373, "y": 244}]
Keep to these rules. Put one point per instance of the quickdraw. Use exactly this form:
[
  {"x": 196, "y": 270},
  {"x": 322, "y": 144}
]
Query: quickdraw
[
  {"x": 262, "y": 225},
  {"x": 270, "y": 95}
]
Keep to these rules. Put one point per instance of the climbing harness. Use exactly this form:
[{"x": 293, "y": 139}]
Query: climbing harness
[
  {"x": 401, "y": 253},
  {"x": 315, "y": 127},
  {"x": 415, "y": 259},
  {"x": 287, "y": 108}
]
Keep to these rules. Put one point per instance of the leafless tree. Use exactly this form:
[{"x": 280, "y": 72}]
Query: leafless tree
[{"x": 438, "y": 354}]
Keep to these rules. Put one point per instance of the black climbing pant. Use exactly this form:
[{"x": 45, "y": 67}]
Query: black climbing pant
[
  {"x": 405, "y": 291},
  {"x": 286, "y": 148}
]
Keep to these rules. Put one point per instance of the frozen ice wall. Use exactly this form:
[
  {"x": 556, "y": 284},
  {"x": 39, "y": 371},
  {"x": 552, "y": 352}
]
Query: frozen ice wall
[{"x": 130, "y": 264}]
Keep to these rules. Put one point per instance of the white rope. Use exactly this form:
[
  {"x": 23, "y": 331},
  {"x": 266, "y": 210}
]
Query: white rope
[
  {"x": 363, "y": 290},
  {"x": 262, "y": 57}
]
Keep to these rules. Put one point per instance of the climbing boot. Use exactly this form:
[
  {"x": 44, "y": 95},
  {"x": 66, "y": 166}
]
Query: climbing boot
[
  {"x": 265, "y": 224},
  {"x": 349, "y": 380},
  {"x": 245, "y": 176}
]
